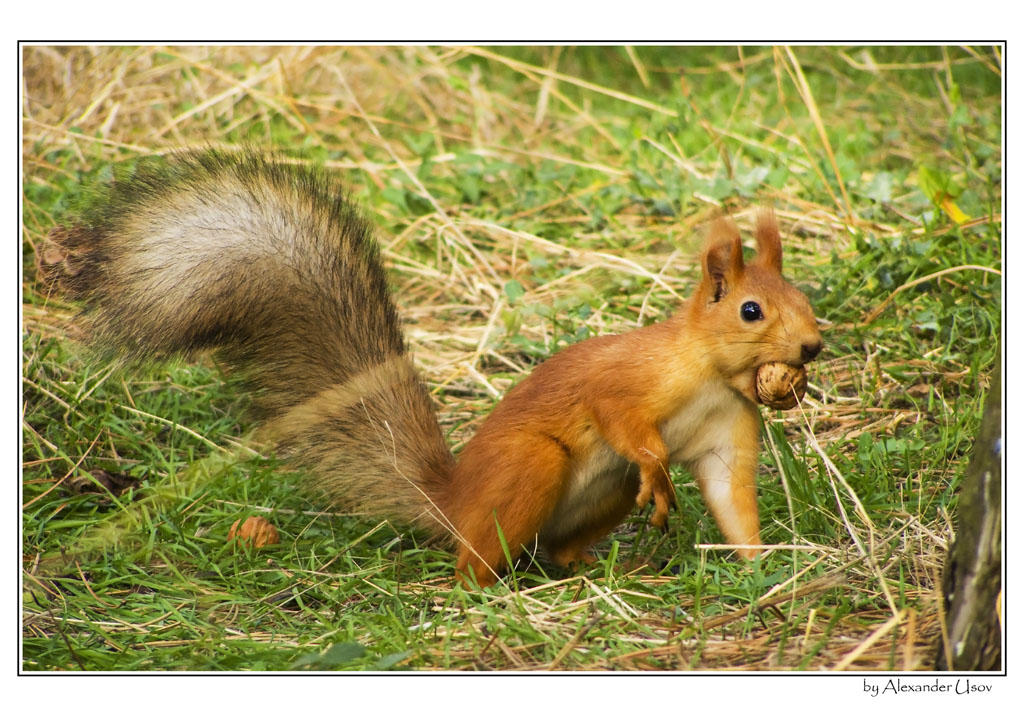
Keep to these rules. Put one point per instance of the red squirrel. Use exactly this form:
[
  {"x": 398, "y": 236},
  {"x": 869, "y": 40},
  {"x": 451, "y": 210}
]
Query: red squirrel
[{"x": 277, "y": 270}]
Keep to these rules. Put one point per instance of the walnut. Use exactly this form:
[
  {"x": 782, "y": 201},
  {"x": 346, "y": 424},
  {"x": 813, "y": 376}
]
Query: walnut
[
  {"x": 780, "y": 385},
  {"x": 255, "y": 532}
]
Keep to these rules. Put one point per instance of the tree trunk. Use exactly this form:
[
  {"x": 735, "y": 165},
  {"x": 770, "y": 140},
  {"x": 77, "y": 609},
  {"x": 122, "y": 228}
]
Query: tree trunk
[{"x": 972, "y": 582}]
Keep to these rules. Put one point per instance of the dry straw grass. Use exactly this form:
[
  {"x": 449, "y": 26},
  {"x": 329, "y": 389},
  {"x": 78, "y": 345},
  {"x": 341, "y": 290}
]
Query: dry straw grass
[{"x": 103, "y": 104}]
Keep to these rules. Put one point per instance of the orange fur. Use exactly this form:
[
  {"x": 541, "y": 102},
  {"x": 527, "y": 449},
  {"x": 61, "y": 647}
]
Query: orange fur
[
  {"x": 270, "y": 265},
  {"x": 593, "y": 430}
]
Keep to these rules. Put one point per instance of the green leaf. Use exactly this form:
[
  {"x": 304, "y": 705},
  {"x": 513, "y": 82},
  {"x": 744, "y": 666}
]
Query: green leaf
[
  {"x": 514, "y": 290},
  {"x": 418, "y": 205},
  {"x": 389, "y": 661},
  {"x": 395, "y": 196},
  {"x": 937, "y": 185},
  {"x": 748, "y": 180},
  {"x": 777, "y": 177},
  {"x": 469, "y": 184},
  {"x": 718, "y": 188},
  {"x": 880, "y": 187},
  {"x": 421, "y": 145},
  {"x": 456, "y": 82},
  {"x": 337, "y": 654}
]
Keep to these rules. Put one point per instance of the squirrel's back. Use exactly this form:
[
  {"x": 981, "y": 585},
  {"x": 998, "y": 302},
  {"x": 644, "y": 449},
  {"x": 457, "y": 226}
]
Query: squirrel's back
[{"x": 274, "y": 268}]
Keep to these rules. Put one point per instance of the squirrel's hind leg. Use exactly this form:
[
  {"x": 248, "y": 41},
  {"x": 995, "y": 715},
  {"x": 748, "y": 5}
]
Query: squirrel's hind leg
[{"x": 516, "y": 495}]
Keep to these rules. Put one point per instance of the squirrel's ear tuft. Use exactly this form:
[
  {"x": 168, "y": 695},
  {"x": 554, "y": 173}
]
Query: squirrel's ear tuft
[
  {"x": 723, "y": 258},
  {"x": 769, "y": 246}
]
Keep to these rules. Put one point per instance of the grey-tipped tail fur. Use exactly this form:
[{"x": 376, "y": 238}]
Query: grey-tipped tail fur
[{"x": 274, "y": 268}]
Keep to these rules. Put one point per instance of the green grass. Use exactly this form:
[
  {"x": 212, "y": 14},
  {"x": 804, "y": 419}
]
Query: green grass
[{"x": 528, "y": 198}]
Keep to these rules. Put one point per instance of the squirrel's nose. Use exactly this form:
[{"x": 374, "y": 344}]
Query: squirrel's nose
[{"x": 809, "y": 351}]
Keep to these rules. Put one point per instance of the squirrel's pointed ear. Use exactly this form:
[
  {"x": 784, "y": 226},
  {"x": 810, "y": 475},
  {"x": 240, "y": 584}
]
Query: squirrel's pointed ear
[
  {"x": 769, "y": 247},
  {"x": 723, "y": 258}
]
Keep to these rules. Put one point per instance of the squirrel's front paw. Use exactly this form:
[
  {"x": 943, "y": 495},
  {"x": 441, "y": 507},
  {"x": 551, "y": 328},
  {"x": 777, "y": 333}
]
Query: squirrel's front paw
[{"x": 658, "y": 487}]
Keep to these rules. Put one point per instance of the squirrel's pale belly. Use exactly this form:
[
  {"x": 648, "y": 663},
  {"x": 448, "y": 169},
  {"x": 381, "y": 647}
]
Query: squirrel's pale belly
[
  {"x": 701, "y": 426},
  {"x": 592, "y": 483},
  {"x": 704, "y": 424}
]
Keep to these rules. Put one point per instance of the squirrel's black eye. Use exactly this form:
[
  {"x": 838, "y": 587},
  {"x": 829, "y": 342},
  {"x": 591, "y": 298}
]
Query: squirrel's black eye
[{"x": 750, "y": 311}]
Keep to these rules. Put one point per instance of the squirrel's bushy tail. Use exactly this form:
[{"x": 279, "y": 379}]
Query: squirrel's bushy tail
[{"x": 274, "y": 268}]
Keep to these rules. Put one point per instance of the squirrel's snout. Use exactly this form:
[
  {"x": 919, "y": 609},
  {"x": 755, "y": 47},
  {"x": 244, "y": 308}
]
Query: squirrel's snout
[{"x": 809, "y": 351}]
